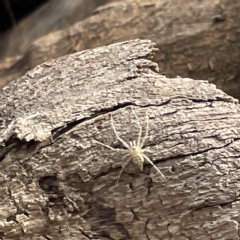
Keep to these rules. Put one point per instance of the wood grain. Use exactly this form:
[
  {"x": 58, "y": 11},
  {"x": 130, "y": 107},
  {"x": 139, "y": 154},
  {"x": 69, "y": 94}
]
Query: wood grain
[{"x": 56, "y": 183}]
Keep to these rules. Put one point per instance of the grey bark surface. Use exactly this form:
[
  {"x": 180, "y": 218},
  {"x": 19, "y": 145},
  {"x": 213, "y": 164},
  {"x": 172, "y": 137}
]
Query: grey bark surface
[
  {"x": 57, "y": 183},
  {"x": 197, "y": 40},
  {"x": 15, "y": 43}
]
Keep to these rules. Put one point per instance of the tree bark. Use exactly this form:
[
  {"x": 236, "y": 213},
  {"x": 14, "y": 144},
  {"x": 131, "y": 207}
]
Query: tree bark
[
  {"x": 58, "y": 183},
  {"x": 196, "y": 40}
]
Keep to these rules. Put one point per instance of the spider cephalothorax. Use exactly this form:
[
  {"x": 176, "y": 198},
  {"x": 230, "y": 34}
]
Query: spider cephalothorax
[{"x": 135, "y": 150}]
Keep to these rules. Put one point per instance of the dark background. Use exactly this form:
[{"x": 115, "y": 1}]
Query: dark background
[{"x": 12, "y": 11}]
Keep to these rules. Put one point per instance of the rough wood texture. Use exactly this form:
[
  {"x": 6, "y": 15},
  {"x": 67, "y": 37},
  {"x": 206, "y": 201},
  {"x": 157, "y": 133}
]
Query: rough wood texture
[
  {"x": 197, "y": 39},
  {"x": 57, "y": 183},
  {"x": 15, "y": 43}
]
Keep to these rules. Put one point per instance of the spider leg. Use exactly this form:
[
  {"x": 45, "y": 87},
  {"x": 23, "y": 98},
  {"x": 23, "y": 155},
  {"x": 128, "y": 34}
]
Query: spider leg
[
  {"x": 146, "y": 132},
  {"x": 125, "y": 155},
  {"x": 117, "y": 136},
  {"x": 139, "y": 142},
  {"x": 153, "y": 165},
  {"x": 111, "y": 148},
  {"x": 147, "y": 150},
  {"x": 123, "y": 166},
  {"x": 140, "y": 128}
]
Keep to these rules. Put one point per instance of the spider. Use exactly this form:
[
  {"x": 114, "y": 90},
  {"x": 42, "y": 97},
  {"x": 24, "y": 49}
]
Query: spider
[{"x": 134, "y": 151}]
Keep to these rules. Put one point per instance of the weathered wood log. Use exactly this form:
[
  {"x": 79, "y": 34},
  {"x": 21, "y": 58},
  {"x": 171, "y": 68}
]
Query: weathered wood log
[
  {"x": 58, "y": 183},
  {"x": 15, "y": 43},
  {"x": 200, "y": 41}
]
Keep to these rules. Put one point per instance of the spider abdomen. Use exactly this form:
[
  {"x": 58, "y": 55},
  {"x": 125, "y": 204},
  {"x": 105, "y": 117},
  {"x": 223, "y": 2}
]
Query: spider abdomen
[
  {"x": 139, "y": 162},
  {"x": 137, "y": 157}
]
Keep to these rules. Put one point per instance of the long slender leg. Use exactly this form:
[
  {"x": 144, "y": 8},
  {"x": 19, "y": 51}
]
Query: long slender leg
[
  {"x": 146, "y": 132},
  {"x": 153, "y": 165},
  {"x": 111, "y": 148},
  {"x": 147, "y": 150},
  {"x": 139, "y": 142},
  {"x": 123, "y": 166},
  {"x": 140, "y": 128},
  {"x": 117, "y": 136}
]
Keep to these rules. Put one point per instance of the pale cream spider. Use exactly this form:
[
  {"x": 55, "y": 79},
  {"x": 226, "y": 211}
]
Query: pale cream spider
[{"x": 135, "y": 150}]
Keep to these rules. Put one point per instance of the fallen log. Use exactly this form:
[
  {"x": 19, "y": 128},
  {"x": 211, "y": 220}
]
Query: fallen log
[{"x": 59, "y": 182}]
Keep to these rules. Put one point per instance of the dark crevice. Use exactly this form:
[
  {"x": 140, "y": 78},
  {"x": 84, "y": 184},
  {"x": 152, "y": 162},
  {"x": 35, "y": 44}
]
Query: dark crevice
[
  {"x": 226, "y": 205},
  {"x": 135, "y": 217},
  {"x": 155, "y": 105},
  {"x": 25, "y": 213},
  {"x": 200, "y": 100},
  {"x": 173, "y": 169},
  {"x": 193, "y": 153},
  {"x": 222, "y": 205},
  {"x": 14, "y": 216},
  {"x": 170, "y": 234},
  {"x": 148, "y": 183},
  {"x": 130, "y": 185},
  {"x": 13, "y": 145},
  {"x": 48, "y": 184},
  {"x": 47, "y": 237},
  {"x": 219, "y": 19},
  {"x": 11, "y": 218},
  {"x": 145, "y": 229},
  {"x": 130, "y": 77},
  {"x": 102, "y": 237},
  {"x": 85, "y": 234},
  {"x": 61, "y": 130},
  {"x": 45, "y": 211}
]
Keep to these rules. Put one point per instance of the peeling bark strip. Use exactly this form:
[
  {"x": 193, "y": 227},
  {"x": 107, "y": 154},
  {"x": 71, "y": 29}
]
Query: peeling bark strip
[{"x": 57, "y": 183}]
